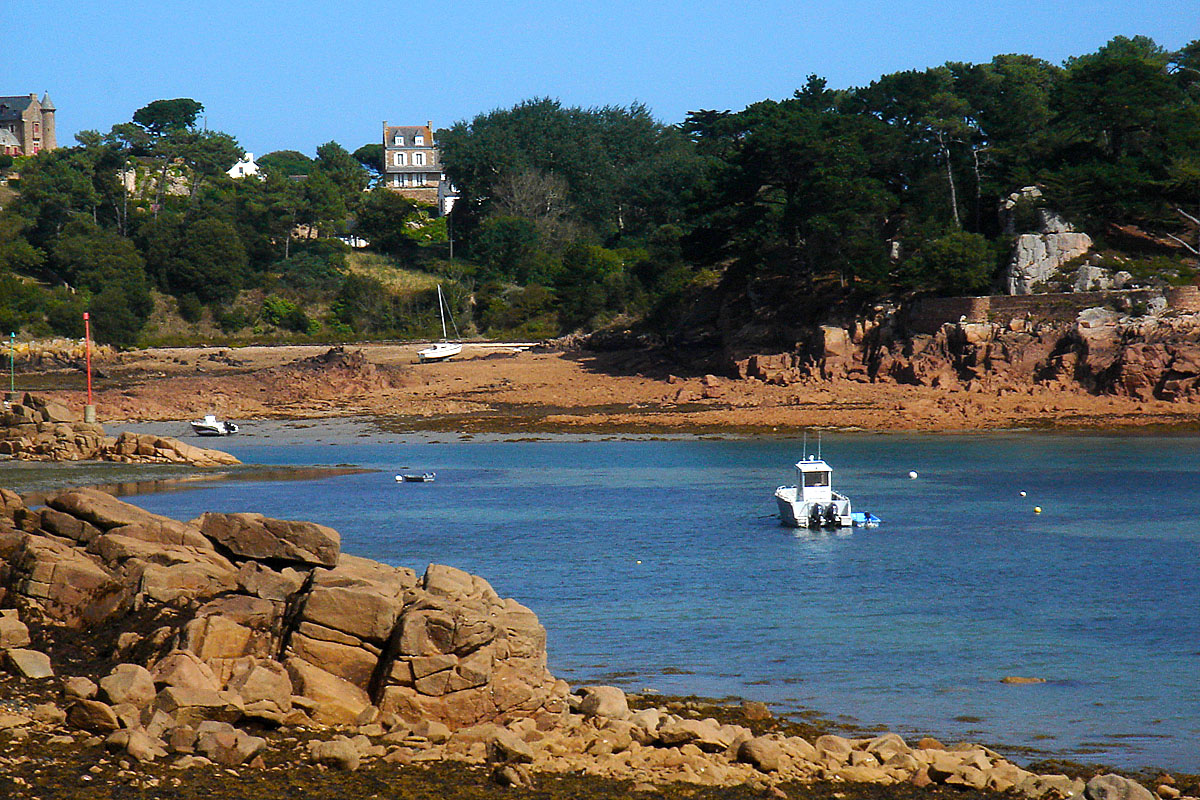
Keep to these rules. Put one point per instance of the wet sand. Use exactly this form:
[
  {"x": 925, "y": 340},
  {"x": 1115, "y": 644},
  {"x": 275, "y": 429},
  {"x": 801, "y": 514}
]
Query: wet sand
[{"x": 494, "y": 388}]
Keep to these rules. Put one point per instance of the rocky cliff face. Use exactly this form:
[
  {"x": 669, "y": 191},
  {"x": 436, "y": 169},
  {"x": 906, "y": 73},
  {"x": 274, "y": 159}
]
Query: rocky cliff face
[
  {"x": 1101, "y": 352},
  {"x": 42, "y": 430}
]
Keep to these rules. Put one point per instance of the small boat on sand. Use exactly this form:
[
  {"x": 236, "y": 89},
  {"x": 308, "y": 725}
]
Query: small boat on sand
[
  {"x": 412, "y": 477},
  {"x": 211, "y": 426},
  {"x": 445, "y": 349}
]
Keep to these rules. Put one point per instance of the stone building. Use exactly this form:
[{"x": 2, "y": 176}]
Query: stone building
[
  {"x": 26, "y": 125},
  {"x": 412, "y": 165}
]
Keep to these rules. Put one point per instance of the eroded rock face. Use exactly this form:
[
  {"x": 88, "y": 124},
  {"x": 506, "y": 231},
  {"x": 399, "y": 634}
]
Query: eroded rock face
[
  {"x": 264, "y": 613},
  {"x": 1101, "y": 351},
  {"x": 1037, "y": 257}
]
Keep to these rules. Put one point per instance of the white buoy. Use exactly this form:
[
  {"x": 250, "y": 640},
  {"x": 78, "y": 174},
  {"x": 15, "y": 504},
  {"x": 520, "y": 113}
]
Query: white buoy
[
  {"x": 399, "y": 478},
  {"x": 1022, "y": 494},
  {"x": 1037, "y": 509},
  {"x": 913, "y": 475}
]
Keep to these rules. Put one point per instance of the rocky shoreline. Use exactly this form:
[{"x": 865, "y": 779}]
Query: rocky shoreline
[
  {"x": 491, "y": 389},
  {"x": 35, "y": 428},
  {"x": 170, "y": 654}
]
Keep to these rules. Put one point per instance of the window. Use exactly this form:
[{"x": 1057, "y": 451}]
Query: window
[
  {"x": 418, "y": 179},
  {"x": 395, "y": 180},
  {"x": 816, "y": 479},
  {"x": 419, "y": 140},
  {"x": 400, "y": 160},
  {"x": 418, "y": 159},
  {"x": 398, "y": 141}
]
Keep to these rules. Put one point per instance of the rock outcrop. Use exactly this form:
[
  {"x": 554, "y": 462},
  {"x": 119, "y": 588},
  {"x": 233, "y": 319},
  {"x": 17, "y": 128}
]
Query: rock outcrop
[
  {"x": 42, "y": 430},
  {"x": 250, "y": 611},
  {"x": 1038, "y": 256},
  {"x": 1102, "y": 351}
]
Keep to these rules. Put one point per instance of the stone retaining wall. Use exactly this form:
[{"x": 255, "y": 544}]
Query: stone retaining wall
[{"x": 926, "y": 316}]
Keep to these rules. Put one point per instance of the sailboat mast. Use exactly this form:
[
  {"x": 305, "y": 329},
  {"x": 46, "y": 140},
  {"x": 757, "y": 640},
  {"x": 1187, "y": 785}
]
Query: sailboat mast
[{"x": 441, "y": 312}]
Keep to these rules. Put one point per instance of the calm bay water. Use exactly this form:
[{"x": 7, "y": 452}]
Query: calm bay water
[{"x": 660, "y": 564}]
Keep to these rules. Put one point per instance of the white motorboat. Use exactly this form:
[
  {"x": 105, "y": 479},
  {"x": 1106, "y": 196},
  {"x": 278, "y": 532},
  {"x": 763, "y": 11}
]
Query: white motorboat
[
  {"x": 440, "y": 351},
  {"x": 211, "y": 426},
  {"x": 812, "y": 503}
]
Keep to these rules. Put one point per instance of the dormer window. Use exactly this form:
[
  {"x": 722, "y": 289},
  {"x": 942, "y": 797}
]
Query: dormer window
[
  {"x": 398, "y": 141},
  {"x": 419, "y": 140}
]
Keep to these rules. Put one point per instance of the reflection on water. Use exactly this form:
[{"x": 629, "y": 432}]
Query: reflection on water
[{"x": 37, "y": 481}]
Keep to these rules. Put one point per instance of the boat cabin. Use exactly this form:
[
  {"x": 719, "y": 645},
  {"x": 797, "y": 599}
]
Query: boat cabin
[{"x": 813, "y": 481}]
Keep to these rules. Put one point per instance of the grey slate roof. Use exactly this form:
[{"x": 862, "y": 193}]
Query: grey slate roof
[{"x": 12, "y": 107}]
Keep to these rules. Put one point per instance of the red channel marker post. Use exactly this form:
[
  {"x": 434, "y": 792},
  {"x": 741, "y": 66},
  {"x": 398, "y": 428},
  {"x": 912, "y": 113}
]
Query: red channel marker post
[
  {"x": 87, "y": 344},
  {"x": 89, "y": 411}
]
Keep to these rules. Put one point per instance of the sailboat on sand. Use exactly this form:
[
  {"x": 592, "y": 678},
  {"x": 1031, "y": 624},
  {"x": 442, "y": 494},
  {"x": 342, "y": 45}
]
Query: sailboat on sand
[{"x": 440, "y": 351}]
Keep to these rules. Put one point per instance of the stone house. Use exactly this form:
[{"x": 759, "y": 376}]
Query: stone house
[
  {"x": 27, "y": 125},
  {"x": 412, "y": 165}
]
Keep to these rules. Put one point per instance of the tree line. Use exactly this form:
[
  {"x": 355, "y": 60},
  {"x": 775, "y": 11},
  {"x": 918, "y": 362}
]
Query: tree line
[{"x": 572, "y": 218}]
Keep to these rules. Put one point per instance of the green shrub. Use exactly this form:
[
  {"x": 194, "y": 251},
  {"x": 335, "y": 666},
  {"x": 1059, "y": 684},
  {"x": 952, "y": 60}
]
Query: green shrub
[
  {"x": 233, "y": 320},
  {"x": 190, "y": 308},
  {"x": 311, "y": 271},
  {"x": 283, "y": 313}
]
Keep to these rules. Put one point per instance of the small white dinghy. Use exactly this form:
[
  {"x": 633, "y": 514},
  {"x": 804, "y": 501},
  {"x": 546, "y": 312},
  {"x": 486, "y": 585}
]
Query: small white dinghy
[
  {"x": 417, "y": 477},
  {"x": 211, "y": 426}
]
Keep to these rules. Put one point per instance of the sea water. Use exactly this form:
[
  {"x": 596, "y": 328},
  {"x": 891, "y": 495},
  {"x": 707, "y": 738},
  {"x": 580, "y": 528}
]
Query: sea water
[{"x": 661, "y": 565}]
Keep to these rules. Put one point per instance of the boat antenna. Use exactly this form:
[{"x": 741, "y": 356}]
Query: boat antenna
[
  {"x": 818, "y": 445},
  {"x": 804, "y": 456}
]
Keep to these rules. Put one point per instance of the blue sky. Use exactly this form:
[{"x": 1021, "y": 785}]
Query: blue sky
[{"x": 294, "y": 75}]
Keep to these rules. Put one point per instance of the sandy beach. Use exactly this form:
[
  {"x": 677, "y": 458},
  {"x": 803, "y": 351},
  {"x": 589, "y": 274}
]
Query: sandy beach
[{"x": 496, "y": 388}]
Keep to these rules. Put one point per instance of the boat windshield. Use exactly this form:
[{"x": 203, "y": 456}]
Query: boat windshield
[{"x": 816, "y": 479}]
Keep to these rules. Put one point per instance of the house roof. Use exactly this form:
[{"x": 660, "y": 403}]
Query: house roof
[
  {"x": 408, "y": 132},
  {"x": 7, "y": 139},
  {"x": 47, "y": 103},
  {"x": 13, "y": 107}
]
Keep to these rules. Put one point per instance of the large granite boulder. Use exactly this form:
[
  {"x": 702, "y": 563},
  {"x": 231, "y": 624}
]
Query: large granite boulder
[
  {"x": 255, "y": 536},
  {"x": 1038, "y": 257}
]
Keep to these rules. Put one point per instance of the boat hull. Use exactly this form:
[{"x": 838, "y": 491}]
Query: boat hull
[
  {"x": 219, "y": 429},
  {"x": 439, "y": 352},
  {"x": 797, "y": 513}
]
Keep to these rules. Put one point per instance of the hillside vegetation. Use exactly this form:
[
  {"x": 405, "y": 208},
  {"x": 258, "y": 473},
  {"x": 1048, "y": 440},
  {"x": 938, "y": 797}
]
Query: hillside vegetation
[{"x": 579, "y": 219}]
